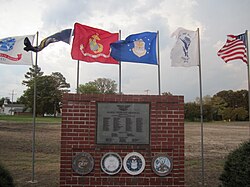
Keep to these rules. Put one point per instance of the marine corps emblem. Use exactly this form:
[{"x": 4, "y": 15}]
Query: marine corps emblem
[
  {"x": 83, "y": 163},
  {"x": 94, "y": 46},
  {"x": 139, "y": 48}
]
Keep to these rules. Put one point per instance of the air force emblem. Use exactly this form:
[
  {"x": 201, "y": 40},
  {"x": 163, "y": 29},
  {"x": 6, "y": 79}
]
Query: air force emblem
[{"x": 139, "y": 48}]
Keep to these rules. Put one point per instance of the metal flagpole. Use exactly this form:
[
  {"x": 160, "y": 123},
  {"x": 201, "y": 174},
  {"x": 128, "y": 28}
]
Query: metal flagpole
[
  {"x": 77, "y": 77},
  {"x": 201, "y": 111},
  {"x": 248, "y": 80},
  {"x": 120, "y": 69},
  {"x": 34, "y": 117},
  {"x": 158, "y": 58}
]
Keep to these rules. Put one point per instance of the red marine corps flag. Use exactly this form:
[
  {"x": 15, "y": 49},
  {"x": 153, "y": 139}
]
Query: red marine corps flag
[{"x": 92, "y": 44}]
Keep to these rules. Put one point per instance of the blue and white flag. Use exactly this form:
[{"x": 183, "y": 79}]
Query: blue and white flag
[
  {"x": 12, "y": 52},
  {"x": 139, "y": 48},
  {"x": 185, "y": 53}
]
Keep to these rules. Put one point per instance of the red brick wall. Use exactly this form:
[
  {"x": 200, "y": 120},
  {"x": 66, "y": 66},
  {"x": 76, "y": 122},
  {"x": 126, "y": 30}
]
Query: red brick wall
[{"x": 78, "y": 135}]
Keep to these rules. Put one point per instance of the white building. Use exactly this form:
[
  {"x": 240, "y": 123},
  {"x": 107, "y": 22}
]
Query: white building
[{"x": 11, "y": 109}]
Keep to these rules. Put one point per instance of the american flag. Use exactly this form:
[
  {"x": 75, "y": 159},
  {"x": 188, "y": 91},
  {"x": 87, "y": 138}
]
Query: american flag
[{"x": 235, "y": 48}]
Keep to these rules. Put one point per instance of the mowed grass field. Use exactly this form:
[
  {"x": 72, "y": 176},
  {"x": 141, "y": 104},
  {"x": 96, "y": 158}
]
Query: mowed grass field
[{"x": 16, "y": 151}]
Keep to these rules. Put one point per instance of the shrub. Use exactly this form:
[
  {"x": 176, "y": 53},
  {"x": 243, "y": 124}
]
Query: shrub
[
  {"x": 237, "y": 167},
  {"x": 6, "y": 179}
]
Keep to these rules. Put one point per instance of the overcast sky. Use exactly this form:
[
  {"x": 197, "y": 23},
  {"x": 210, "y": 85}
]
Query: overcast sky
[{"x": 214, "y": 18}]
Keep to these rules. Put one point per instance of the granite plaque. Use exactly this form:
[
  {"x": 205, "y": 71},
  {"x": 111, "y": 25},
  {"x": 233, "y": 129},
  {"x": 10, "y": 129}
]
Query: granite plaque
[{"x": 122, "y": 123}]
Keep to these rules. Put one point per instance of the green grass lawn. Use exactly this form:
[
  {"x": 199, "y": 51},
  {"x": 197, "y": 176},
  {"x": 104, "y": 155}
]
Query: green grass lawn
[{"x": 29, "y": 119}]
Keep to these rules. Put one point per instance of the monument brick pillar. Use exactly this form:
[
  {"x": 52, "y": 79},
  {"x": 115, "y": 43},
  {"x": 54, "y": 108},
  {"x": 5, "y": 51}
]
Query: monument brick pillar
[{"x": 122, "y": 140}]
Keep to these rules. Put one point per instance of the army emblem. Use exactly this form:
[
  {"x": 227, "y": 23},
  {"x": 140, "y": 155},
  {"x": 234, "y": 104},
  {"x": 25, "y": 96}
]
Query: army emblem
[
  {"x": 162, "y": 164},
  {"x": 7, "y": 44}
]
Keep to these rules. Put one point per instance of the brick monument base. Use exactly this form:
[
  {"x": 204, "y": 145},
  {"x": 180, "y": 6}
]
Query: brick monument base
[{"x": 87, "y": 136}]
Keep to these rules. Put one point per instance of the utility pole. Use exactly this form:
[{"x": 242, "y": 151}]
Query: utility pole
[{"x": 12, "y": 96}]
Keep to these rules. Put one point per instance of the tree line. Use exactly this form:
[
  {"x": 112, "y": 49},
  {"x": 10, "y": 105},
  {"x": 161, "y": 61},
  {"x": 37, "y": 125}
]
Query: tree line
[
  {"x": 50, "y": 90},
  {"x": 225, "y": 105}
]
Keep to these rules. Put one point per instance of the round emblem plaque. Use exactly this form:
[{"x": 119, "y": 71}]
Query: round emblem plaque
[
  {"x": 162, "y": 164},
  {"x": 111, "y": 163},
  {"x": 83, "y": 163},
  {"x": 134, "y": 163}
]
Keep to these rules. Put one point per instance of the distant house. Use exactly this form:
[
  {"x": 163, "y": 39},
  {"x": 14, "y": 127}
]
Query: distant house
[{"x": 11, "y": 109}]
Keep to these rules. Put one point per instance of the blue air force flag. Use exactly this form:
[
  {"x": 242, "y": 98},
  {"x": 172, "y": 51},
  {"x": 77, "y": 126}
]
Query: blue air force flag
[
  {"x": 139, "y": 48},
  {"x": 12, "y": 52},
  {"x": 185, "y": 52}
]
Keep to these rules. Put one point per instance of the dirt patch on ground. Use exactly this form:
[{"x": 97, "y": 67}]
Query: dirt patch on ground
[
  {"x": 219, "y": 139},
  {"x": 16, "y": 151}
]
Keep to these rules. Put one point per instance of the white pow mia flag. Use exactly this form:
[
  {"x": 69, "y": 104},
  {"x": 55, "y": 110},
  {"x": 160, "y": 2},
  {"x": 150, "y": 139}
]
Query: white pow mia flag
[{"x": 185, "y": 52}]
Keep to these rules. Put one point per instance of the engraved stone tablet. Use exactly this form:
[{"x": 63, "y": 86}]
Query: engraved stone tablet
[
  {"x": 83, "y": 163},
  {"x": 122, "y": 123},
  {"x": 162, "y": 164}
]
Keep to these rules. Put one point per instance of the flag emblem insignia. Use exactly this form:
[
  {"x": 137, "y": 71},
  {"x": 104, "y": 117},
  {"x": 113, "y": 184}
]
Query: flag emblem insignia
[
  {"x": 94, "y": 46},
  {"x": 7, "y": 44},
  {"x": 185, "y": 52},
  {"x": 186, "y": 41},
  {"x": 139, "y": 48}
]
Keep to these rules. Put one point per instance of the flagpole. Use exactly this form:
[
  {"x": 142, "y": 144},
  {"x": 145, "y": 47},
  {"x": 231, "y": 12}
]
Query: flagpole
[
  {"x": 120, "y": 68},
  {"x": 34, "y": 117},
  {"x": 248, "y": 81},
  {"x": 201, "y": 112},
  {"x": 77, "y": 77},
  {"x": 159, "y": 71}
]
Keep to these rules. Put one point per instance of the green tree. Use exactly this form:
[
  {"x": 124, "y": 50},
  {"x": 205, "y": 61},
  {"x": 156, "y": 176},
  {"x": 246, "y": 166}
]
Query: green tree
[
  {"x": 234, "y": 99},
  {"x": 231, "y": 105},
  {"x": 227, "y": 114},
  {"x": 239, "y": 114},
  {"x": 3, "y": 99},
  {"x": 99, "y": 86},
  {"x": 33, "y": 72},
  {"x": 167, "y": 93},
  {"x": 192, "y": 111},
  {"x": 88, "y": 88},
  {"x": 50, "y": 89},
  {"x": 218, "y": 106}
]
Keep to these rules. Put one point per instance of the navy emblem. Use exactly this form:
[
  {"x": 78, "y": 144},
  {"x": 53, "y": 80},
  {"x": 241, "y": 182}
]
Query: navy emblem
[
  {"x": 111, "y": 163},
  {"x": 134, "y": 163},
  {"x": 7, "y": 44}
]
